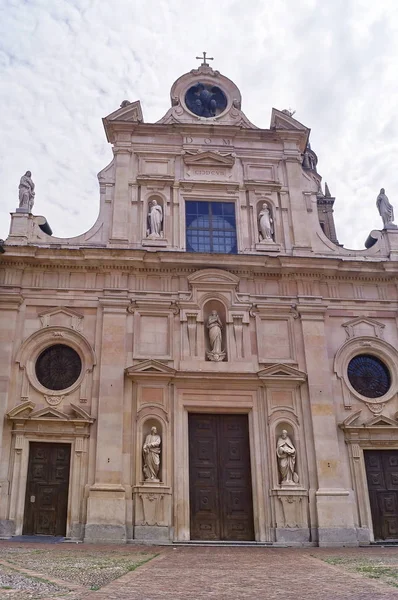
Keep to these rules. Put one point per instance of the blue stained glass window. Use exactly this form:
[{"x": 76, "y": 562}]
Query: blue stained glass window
[{"x": 211, "y": 227}]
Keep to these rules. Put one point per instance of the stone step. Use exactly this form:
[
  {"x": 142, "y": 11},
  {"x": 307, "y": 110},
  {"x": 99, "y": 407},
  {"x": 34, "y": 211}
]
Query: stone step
[{"x": 223, "y": 544}]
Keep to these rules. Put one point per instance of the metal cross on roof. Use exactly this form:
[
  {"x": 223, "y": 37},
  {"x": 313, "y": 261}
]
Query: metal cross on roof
[{"x": 204, "y": 58}]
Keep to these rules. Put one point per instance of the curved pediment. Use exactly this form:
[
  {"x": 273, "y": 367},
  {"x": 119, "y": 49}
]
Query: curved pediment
[{"x": 214, "y": 276}]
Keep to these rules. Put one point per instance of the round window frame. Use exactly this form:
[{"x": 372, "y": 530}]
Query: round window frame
[
  {"x": 212, "y": 84},
  {"x": 62, "y": 391},
  {"x": 51, "y": 336},
  {"x": 370, "y": 346},
  {"x": 206, "y": 81},
  {"x": 380, "y": 362}
]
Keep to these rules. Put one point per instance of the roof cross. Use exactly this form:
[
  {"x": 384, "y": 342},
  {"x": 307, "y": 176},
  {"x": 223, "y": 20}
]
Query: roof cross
[{"x": 204, "y": 58}]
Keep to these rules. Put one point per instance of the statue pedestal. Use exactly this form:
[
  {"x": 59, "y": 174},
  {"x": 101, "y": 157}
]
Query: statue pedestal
[
  {"x": 267, "y": 247},
  {"x": 152, "y": 502},
  {"x": 155, "y": 242},
  {"x": 291, "y": 514}
]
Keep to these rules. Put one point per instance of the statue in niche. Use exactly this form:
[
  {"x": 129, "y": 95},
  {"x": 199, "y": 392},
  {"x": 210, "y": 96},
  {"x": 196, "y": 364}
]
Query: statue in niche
[
  {"x": 26, "y": 192},
  {"x": 214, "y": 327},
  {"x": 155, "y": 220},
  {"x": 265, "y": 224},
  {"x": 386, "y": 210},
  {"x": 286, "y": 453},
  {"x": 151, "y": 454}
]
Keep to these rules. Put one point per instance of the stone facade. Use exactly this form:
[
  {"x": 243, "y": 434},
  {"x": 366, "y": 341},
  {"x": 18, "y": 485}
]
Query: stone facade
[{"x": 133, "y": 302}]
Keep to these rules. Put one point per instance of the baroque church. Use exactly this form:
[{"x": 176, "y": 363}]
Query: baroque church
[{"x": 207, "y": 362}]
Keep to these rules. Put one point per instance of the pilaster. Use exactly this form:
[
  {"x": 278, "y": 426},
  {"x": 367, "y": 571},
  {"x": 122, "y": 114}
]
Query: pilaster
[
  {"x": 106, "y": 510},
  {"x": 121, "y": 202},
  {"x": 334, "y": 508}
]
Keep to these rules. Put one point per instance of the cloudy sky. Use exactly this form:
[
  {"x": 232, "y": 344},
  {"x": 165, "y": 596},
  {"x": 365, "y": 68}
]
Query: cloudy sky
[{"x": 65, "y": 64}]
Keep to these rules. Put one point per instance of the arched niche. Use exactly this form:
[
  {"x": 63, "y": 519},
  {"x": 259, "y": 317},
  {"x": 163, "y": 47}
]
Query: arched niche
[
  {"x": 263, "y": 235},
  {"x": 155, "y": 211},
  {"x": 209, "y": 307},
  {"x": 292, "y": 435},
  {"x": 146, "y": 428}
]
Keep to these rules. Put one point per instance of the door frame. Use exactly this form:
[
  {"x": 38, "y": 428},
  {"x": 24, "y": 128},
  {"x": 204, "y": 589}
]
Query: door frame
[
  {"x": 368, "y": 494},
  {"x": 21, "y": 450},
  {"x": 194, "y": 400},
  {"x": 27, "y": 504},
  {"x": 379, "y": 433}
]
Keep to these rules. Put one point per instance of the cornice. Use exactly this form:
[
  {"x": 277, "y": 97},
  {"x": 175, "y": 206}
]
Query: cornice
[{"x": 90, "y": 259}]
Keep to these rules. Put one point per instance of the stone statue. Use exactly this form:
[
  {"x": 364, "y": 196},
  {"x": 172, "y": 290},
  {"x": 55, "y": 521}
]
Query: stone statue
[
  {"x": 155, "y": 220},
  {"x": 26, "y": 192},
  {"x": 286, "y": 453},
  {"x": 214, "y": 327},
  {"x": 265, "y": 224},
  {"x": 151, "y": 454},
  {"x": 386, "y": 210}
]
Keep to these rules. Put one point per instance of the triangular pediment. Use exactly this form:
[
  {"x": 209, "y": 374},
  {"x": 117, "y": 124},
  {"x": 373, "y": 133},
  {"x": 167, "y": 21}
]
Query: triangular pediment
[
  {"x": 381, "y": 421},
  {"x": 61, "y": 310},
  {"x": 48, "y": 413},
  {"x": 282, "y": 372},
  {"x": 129, "y": 111},
  {"x": 150, "y": 367},
  {"x": 218, "y": 276},
  {"x": 21, "y": 411},
  {"x": 363, "y": 326},
  {"x": 209, "y": 158},
  {"x": 283, "y": 120}
]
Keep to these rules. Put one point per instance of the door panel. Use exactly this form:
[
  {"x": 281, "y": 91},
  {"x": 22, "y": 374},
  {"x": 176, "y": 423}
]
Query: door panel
[
  {"x": 220, "y": 478},
  {"x": 382, "y": 476},
  {"x": 47, "y": 489}
]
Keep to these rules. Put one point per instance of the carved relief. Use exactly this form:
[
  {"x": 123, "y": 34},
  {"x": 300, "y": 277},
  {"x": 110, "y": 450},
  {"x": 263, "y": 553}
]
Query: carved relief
[{"x": 53, "y": 400}]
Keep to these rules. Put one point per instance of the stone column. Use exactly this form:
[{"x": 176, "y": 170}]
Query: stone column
[
  {"x": 299, "y": 216},
  {"x": 334, "y": 506},
  {"x": 106, "y": 508},
  {"x": 9, "y": 307},
  {"x": 121, "y": 199}
]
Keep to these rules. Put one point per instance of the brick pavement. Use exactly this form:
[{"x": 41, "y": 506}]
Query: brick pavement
[{"x": 188, "y": 573}]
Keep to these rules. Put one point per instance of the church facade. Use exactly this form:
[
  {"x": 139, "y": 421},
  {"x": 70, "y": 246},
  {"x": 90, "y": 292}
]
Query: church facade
[{"x": 206, "y": 362}]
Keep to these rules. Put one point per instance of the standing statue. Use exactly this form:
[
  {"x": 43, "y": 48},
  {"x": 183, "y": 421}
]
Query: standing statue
[
  {"x": 265, "y": 224},
  {"x": 214, "y": 327},
  {"x": 286, "y": 453},
  {"x": 151, "y": 454},
  {"x": 155, "y": 219},
  {"x": 26, "y": 192},
  {"x": 386, "y": 210}
]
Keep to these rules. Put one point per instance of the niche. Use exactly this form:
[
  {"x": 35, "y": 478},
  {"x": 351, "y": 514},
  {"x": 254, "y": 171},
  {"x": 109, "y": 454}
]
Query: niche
[
  {"x": 155, "y": 218},
  {"x": 265, "y": 223},
  {"x": 286, "y": 455},
  {"x": 215, "y": 331},
  {"x": 151, "y": 450}
]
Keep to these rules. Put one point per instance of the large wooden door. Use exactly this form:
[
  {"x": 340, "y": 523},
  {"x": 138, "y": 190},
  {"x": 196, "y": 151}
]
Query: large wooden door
[
  {"x": 382, "y": 475},
  {"x": 220, "y": 480},
  {"x": 46, "y": 500}
]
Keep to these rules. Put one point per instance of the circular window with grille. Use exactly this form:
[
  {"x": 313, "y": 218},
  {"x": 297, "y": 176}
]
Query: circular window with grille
[
  {"x": 369, "y": 376},
  {"x": 58, "y": 367}
]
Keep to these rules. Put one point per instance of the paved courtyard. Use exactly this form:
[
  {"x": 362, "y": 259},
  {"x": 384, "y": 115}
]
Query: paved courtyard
[{"x": 77, "y": 572}]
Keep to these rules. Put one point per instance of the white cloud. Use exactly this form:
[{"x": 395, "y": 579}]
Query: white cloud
[{"x": 66, "y": 64}]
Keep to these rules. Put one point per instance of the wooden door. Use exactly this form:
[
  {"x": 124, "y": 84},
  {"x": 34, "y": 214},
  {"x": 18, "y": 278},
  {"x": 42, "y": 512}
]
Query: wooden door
[
  {"x": 46, "y": 500},
  {"x": 382, "y": 475},
  {"x": 220, "y": 478}
]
